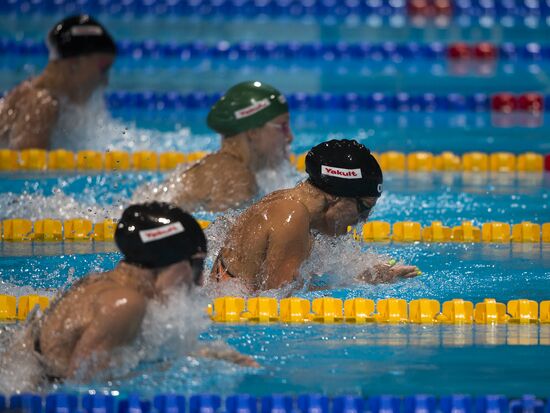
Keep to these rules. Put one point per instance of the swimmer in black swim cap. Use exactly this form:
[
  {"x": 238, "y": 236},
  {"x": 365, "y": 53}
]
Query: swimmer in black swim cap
[
  {"x": 345, "y": 168},
  {"x": 164, "y": 250},
  {"x": 272, "y": 239},
  {"x": 157, "y": 235},
  {"x": 81, "y": 52}
]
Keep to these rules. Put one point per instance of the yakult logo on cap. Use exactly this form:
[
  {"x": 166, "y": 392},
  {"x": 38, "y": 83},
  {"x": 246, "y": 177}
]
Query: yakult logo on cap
[
  {"x": 252, "y": 109},
  {"x": 154, "y": 234},
  {"x": 86, "y": 31},
  {"x": 341, "y": 172}
]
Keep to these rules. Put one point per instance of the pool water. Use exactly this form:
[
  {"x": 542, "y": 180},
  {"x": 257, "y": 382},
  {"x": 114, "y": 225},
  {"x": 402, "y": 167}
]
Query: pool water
[{"x": 333, "y": 359}]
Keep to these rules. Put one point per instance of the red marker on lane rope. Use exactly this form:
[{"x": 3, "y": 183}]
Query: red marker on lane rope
[{"x": 503, "y": 102}]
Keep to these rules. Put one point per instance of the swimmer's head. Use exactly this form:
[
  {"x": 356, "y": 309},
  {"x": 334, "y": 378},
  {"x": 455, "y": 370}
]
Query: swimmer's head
[
  {"x": 157, "y": 235},
  {"x": 84, "y": 45},
  {"x": 77, "y": 36},
  {"x": 350, "y": 175},
  {"x": 261, "y": 112}
]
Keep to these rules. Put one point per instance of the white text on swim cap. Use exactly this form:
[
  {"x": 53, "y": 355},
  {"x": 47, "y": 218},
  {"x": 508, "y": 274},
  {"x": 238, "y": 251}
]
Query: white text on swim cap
[
  {"x": 86, "y": 31},
  {"x": 341, "y": 172},
  {"x": 252, "y": 109},
  {"x": 379, "y": 188},
  {"x": 155, "y": 234}
]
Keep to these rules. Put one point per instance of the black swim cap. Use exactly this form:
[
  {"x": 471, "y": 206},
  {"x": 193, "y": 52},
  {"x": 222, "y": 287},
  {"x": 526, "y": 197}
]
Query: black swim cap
[
  {"x": 344, "y": 168},
  {"x": 78, "y": 36},
  {"x": 155, "y": 235}
]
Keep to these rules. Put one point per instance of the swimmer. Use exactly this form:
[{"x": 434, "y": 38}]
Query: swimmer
[
  {"x": 272, "y": 238},
  {"x": 253, "y": 120},
  {"x": 81, "y": 53},
  {"x": 164, "y": 250}
]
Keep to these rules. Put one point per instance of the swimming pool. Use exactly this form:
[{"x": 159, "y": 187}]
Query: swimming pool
[{"x": 331, "y": 359}]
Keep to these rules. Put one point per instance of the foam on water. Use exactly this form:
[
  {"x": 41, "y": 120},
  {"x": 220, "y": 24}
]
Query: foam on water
[
  {"x": 282, "y": 177},
  {"x": 57, "y": 206},
  {"x": 91, "y": 126}
]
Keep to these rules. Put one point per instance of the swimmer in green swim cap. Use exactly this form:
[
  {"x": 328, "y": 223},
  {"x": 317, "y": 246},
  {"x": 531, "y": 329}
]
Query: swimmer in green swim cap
[
  {"x": 81, "y": 52},
  {"x": 253, "y": 120},
  {"x": 271, "y": 239},
  {"x": 164, "y": 250}
]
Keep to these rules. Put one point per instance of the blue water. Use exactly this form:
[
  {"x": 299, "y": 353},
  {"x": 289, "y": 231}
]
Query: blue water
[
  {"x": 449, "y": 197},
  {"x": 214, "y": 30},
  {"x": 332, "y": 359},
  {"x": 304, "y": 75}
]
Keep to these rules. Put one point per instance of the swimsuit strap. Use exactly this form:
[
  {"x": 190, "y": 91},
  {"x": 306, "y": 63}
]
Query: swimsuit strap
[{"x": 222, "y": 273}]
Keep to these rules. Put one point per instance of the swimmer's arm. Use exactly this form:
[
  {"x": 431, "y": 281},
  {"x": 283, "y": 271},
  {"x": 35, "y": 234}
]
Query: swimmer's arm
[
  {"x": 388, "y": 273},
  {"x": 288, "y": 247},
  {"x": 226, "y": 353},
  {"x": 116, "y": 323}
]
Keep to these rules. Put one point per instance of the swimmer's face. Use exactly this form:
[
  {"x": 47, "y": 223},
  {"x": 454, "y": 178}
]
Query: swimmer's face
[
  {"x": 343, "y": 212},
  {"x": 272, "y": 141},
  {"x": 93, "y": 69}
]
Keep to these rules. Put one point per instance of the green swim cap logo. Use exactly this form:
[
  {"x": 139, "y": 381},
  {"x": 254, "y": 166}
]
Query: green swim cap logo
[{"x": 252, "y": 109}]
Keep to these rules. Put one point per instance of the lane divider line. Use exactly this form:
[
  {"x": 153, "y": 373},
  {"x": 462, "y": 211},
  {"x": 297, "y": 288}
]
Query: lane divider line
[
  {"x": 390, "y": 161},
  {"x": 329, "y": 310},
  {"x": 79, "y": 229}
]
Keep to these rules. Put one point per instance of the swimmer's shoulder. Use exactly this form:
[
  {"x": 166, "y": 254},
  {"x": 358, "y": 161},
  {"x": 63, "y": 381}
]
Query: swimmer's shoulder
[
  {"x": 287, "y": 210},
  {"x": 29, "y": 98},
  {"x": 104, "y": 290},
  {"x": 232, "y": 177},
  {"x": 230, "y": 165},
  {"x": 219, "y": 165},
  {"x": 123, "y": 300}
]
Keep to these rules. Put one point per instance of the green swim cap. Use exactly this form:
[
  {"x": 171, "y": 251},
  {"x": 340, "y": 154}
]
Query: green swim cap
[{"x": 245, "y": 106}]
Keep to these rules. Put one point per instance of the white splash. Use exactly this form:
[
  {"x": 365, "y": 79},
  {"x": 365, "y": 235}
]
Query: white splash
[
  {"x": 90, "y": 126},
  {"x": 18, "y": 365},
  {"x": 57, "y": 206},
  {"x": 338, "y": 261},
  {"x": 282, "y": 177}
]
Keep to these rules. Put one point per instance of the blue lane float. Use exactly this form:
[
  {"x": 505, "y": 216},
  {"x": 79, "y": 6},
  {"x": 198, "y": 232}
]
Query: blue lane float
[
  {"x": 276, "y": 8},
  {"x": 244, "y": 403},
  {"x": 319, "y": 101},
  {"x": 150, "y": 49},
  {"x": 379, "y": 102}
]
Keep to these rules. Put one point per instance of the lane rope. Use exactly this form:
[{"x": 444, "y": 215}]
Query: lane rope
[
  {"x": 79, "y": 229},
  {"x": 329, "y": 310},
  {"x": 390, "y": 161}
]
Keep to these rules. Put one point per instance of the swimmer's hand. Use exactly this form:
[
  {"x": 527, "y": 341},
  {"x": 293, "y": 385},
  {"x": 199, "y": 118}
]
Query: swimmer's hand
[
  {"x": 227, "y": 354},
  {"x": 388, "y": 273}
]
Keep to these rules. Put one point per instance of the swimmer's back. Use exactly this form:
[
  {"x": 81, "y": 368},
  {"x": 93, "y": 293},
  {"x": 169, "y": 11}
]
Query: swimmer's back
[
  {"x": 256, "y": 228},
  {"x": 72, "y": 314},
  {"x": 27, "y": 116},
  {"x": 218, "y": 182}
]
